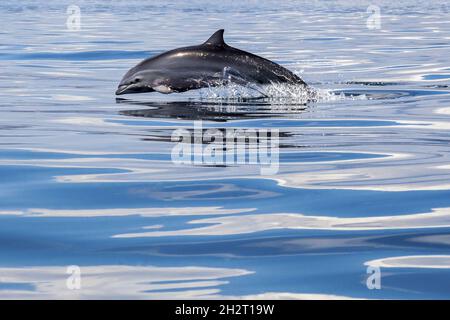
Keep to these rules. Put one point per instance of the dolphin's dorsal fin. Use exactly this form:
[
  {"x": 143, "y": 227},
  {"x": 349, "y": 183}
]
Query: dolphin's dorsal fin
[{"x": 216, "y": 39}]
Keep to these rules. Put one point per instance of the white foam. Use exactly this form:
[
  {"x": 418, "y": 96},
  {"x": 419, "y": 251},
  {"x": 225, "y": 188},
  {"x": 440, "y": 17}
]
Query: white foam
[{"x": 275, "y": 93}]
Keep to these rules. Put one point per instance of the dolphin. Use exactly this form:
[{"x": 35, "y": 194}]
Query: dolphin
[{"x": 210, "y": 64}]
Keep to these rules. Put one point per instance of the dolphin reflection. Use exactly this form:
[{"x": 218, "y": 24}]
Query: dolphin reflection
[{"x": 210, "y": 111}]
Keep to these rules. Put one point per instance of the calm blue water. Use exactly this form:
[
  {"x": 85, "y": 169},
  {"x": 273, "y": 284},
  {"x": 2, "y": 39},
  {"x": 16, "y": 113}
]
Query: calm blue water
[{"x": 364, "y": 175}]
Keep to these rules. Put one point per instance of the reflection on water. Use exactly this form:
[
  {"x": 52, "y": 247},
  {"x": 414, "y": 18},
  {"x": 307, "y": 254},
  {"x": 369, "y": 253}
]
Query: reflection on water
[
  {"x": 209, "y": 111},
  {"x": 88, "y": 179},
  {"x": 116, "y": 282}
]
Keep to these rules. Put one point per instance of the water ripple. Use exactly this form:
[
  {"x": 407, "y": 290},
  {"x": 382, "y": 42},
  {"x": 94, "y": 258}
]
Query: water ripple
[{"x": 364, "y": 165}]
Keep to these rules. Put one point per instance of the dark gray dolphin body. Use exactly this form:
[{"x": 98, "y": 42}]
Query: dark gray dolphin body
[{"x": 209, "y": 64}]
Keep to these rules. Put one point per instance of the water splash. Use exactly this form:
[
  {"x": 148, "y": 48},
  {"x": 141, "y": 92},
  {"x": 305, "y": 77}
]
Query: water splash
[{"x": 275, "y": 93}]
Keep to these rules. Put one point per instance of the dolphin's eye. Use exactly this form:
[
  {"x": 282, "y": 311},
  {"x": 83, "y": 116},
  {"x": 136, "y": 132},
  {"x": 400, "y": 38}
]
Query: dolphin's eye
[{"x": 136, "y": 80}]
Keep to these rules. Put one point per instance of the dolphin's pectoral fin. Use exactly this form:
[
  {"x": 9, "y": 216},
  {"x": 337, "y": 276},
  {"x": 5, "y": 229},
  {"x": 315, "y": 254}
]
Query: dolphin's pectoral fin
[
  {"x": 216, "y": 39},
  {"x": 230, "y": 75}
]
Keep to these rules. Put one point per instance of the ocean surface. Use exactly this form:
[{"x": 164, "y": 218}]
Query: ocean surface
[{"x": 92, "y": 204}]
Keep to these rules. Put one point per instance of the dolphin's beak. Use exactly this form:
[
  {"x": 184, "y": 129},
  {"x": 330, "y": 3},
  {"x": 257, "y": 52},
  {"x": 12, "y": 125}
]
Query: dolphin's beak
[
  {"x": 132, "y": 88},
  {"x": 122, "y": 89}
]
